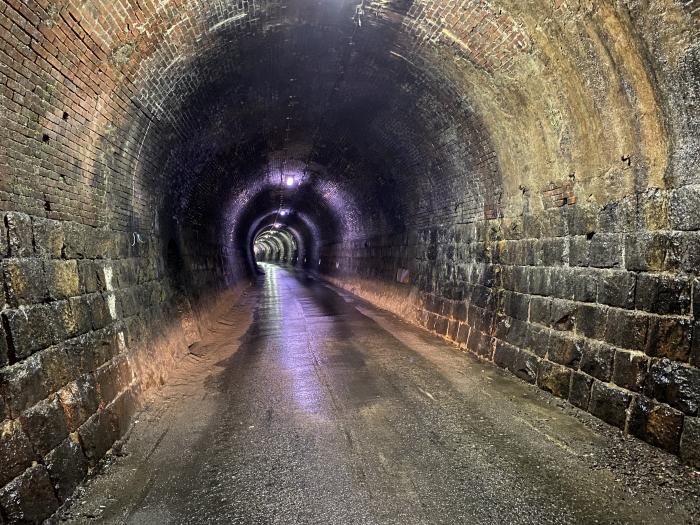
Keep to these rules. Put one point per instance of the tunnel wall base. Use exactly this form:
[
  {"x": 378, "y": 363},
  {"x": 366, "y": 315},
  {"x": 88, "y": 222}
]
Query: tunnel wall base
[
  {"x": 597, "y": 305},
  {"x": 90, "y": 324}
]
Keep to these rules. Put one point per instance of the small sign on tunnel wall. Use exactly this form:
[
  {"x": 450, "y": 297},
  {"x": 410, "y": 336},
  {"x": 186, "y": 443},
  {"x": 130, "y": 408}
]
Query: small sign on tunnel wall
[{"x": 403, "y": 276}]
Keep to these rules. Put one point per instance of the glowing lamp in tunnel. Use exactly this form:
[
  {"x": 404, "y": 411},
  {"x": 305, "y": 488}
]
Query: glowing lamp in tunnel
[
  {"x": 290, "y": 181},
  {"x": 284, "y": 212},
  {"x": 277, "y": 225}
]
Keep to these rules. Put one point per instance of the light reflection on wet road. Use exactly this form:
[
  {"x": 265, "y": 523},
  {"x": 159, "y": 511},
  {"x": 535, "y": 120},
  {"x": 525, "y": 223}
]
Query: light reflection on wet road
[{"x": 325, "y": 415}]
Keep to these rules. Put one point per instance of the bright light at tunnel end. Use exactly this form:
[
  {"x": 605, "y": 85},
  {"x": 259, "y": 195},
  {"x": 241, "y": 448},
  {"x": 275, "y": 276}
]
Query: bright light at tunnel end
[{"x": 290, "y": 181}]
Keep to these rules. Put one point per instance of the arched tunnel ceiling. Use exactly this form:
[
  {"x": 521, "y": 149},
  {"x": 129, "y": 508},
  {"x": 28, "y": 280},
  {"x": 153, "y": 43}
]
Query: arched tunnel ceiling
[
  {"x": 421, "y": 111},
  {"x": 313, "y": 100}
]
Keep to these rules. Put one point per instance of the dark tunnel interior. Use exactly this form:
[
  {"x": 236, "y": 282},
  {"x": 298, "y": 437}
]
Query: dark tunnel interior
[
  {"x": 318, "y": 107},
  {"x": 519, "y": 178}
]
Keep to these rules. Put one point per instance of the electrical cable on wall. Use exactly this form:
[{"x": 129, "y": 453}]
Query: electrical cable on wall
[{"x": 136, "y": 235}]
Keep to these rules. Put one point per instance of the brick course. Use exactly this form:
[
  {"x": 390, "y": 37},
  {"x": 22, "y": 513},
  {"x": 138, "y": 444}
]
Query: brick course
[{"x": 614, "y": 341}]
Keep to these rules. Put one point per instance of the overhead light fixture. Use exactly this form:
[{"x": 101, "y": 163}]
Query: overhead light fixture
[
  {"x": 284, "y": 212},
  {"x": 290, "y": 181}
]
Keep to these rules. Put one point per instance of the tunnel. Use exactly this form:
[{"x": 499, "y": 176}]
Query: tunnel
[
  {"x": 497, "y": 198},
  {"x": 275, "y": 244}
]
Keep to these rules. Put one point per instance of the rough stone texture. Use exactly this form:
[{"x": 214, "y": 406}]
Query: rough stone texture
[
  {"x": 528, "y": 169},
  {"x": 580, "y": 391},
  {"x": 690, "y": 441},
  {"x": 630, "y": 370},
  {"x": 4, "y": 353},
  {"x": 609, "y": 404},
  {"x": 675, "y": 384},
  {"x": 25, "y": 281},
  {"x": 19, "y": 234},
  {"x": 597, "y": 360},
  {"x": 62, "y": 279},
  {"x": 656, "y": 424},
  {"x": 16, "y": 451},
  {"x": 30, "y": 498},
  {"x": 67, "y": 326},
  {"x": 67, "y": 466},
  {"x": 79, "y": 401},
  {"x": 554, "y": 379},
  {"x": 45, "y": 425}
]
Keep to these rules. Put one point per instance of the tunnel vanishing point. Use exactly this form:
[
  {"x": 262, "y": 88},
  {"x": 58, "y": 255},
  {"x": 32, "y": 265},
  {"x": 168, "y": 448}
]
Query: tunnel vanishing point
[{"x": 519, "y": 177}]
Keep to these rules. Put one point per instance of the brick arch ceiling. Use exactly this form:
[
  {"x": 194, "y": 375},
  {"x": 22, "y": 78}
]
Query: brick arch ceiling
[
  {"x": 325, "y": 101},
  {"x": 421, "y": 111}
]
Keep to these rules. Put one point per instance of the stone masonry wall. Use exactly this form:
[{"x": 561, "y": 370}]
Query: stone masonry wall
[
  {"x": 89, "y": 324},
  {"x": 598, "y": 305}
]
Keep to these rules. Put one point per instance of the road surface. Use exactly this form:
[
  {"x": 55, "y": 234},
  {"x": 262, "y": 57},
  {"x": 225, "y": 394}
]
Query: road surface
[{"x": 307, "y": 405}]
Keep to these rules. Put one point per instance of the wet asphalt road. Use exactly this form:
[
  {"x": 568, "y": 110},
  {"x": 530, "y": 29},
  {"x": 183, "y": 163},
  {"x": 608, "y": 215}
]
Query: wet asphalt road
[{"x": 332, "y": 412}]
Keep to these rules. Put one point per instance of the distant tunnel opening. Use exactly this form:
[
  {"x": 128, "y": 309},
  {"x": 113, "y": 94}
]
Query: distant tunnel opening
[{"x": 275, "y": 244}]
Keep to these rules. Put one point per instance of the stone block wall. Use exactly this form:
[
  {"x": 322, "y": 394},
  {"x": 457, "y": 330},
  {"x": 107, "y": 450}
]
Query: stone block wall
[
  {"x": 90, "y": 322},
  {"x": 598, "y": 305}
]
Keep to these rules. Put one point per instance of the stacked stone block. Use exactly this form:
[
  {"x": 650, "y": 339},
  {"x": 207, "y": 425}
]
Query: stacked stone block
[
  {"x": 597, "y": 305},
  {"x": 88, "y": 324}
]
